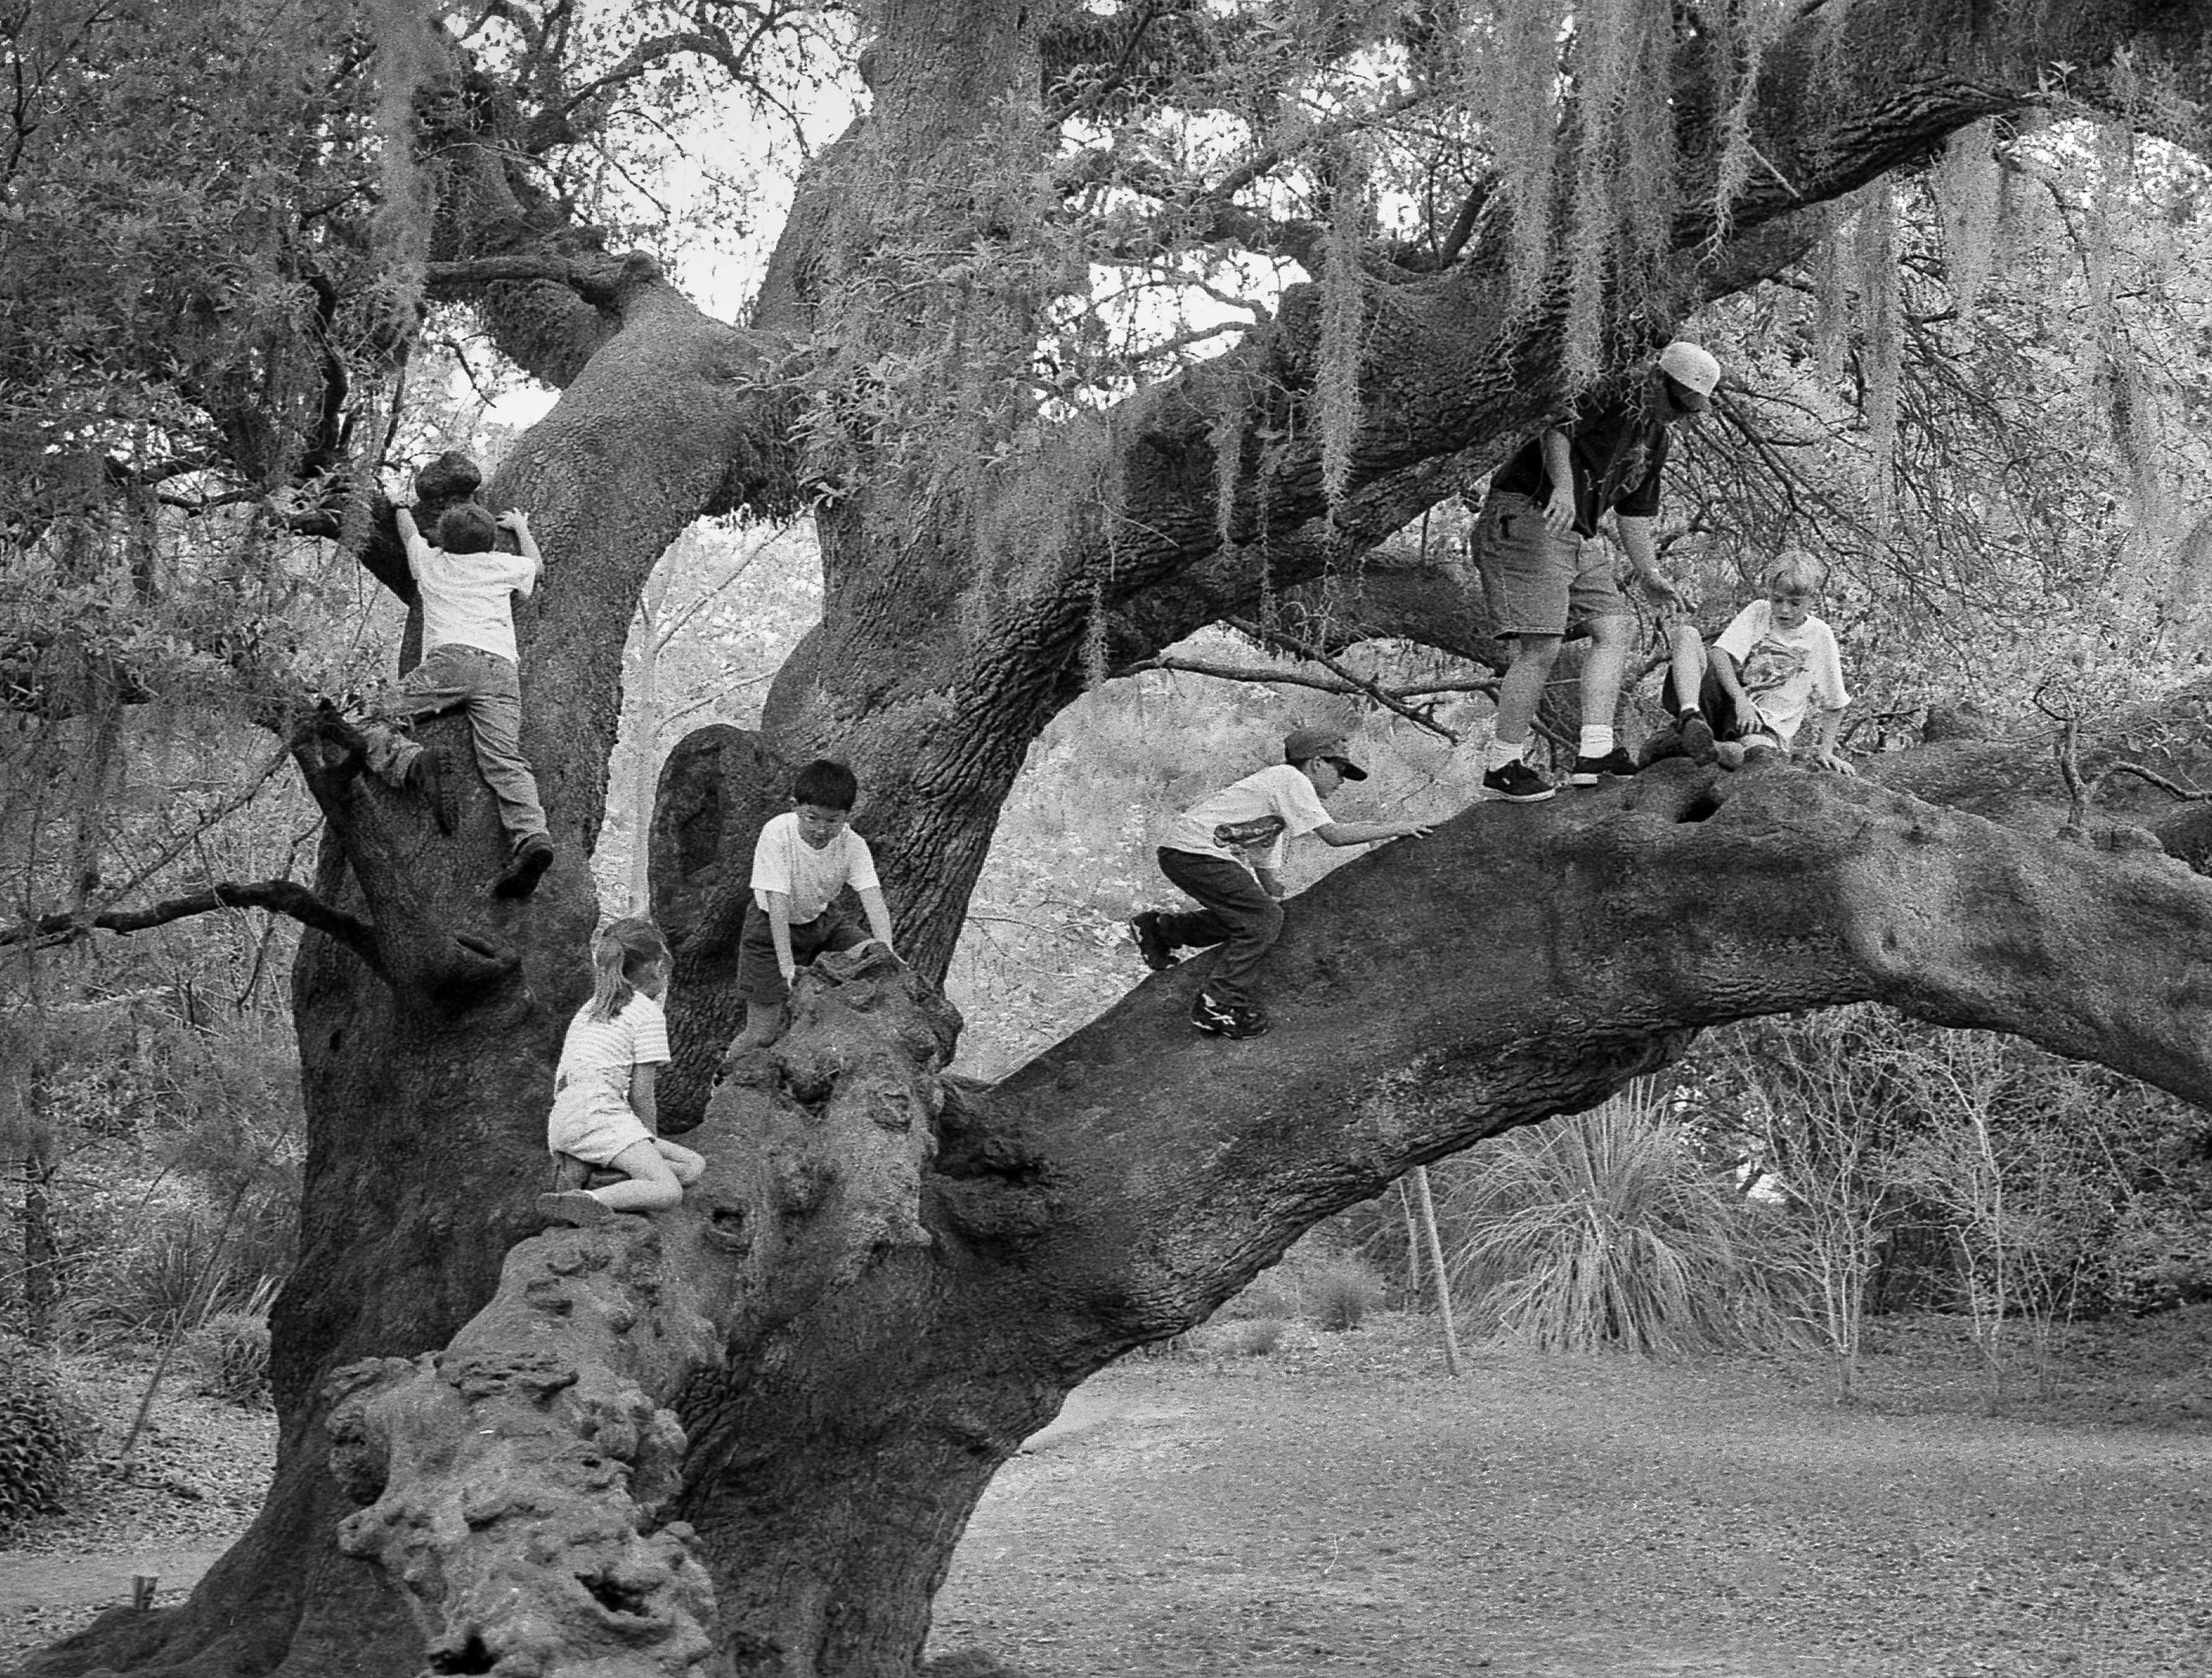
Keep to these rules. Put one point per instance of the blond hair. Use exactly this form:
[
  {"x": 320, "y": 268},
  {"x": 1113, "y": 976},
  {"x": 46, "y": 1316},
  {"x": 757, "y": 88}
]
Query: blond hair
[
  {"x": 623, "y": 951},
  {"x": 1793, "y": 567}
]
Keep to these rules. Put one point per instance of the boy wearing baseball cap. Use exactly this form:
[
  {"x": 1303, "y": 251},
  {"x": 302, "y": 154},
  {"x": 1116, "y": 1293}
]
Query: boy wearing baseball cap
[
  {"x": 1544, "y": 577},
  {"x": 1226, "y": 850}
]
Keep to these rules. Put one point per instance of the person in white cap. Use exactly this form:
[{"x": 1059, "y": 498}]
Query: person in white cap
[
  {"x": 1544, "y": 577},
  {"x": 1226, "y": 850}
]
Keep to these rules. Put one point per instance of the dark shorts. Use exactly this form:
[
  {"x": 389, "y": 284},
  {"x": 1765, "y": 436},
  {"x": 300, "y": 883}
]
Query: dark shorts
[
  {"x": 1538, "y": 583},
  {"x": 759, "y": 980},
  {"x": 1719, "y": 706}
]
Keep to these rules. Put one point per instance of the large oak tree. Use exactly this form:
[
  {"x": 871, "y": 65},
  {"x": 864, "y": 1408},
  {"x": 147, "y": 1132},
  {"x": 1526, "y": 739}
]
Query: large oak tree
[{"x": 746, "y": 1435}]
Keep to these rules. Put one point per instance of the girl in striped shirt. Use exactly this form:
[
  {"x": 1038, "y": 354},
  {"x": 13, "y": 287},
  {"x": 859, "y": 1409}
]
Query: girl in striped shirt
[{"x": 603, "y": 1094}]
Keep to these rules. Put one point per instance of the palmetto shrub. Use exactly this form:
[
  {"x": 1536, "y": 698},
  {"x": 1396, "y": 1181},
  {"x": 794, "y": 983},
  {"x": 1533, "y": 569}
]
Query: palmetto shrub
[
  {"x": 40, "y": 1435},
  {"x": 1607, "y": 1229}
]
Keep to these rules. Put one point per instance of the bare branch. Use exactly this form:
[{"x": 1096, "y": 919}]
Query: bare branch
[
  {"x": 284, "y": 897},
  {"x": 2152, "y": 778},
  {"x": 1382, "y": 697},
  {"x": 1256, "y": 673}
]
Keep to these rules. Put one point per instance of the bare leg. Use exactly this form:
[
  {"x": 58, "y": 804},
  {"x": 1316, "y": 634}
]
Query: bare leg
[
  {"x": 650, "y": 1185},
  {"x": 1687, "y": 649},
  {"x": 687, "y": 1166},
  {"x": 1602, "y": 669},
  {"x": 1521, "y": 690}
]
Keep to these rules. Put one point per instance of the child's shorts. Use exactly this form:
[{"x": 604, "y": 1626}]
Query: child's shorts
[
  {"x": 1538, "y": 581},
  {"x": 593, "y": 1129},
  {"x": 759, "y": 980}
]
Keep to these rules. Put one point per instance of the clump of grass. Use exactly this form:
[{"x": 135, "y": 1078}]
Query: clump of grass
[
  {"x": 1259, "y": 1337},
  {"x": 1342, "y": 1294},
  {"x": 231, "y": 1350}
]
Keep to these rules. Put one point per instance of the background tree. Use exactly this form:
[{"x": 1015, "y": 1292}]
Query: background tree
[{"x": 752, "y": 1433}]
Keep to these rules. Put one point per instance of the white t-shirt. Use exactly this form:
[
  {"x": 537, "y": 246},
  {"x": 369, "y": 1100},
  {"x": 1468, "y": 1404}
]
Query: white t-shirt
[
  {"x": 593, "y": 1079},
  {"x": 1248, "y": 821},
  {"x": 465, "y": 595},
  {"x": 783, "y": 862},
  {"x": 1785, "y": 673}
]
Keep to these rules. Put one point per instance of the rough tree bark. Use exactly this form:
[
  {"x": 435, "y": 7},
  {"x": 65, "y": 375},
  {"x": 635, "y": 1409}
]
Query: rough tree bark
[{"x": 750, "y": 1431}]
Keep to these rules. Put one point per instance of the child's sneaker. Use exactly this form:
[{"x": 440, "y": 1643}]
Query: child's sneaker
[
  {"x": 1152, "y": 944},
  {"x": 525, "y": 868},
  {"x": 429, "y": 775},
  {"x": 1697, "y": 737},
  {"x": 1517, "y": 784},
  {"x": 1223, "y": 1019},
  {"x": 1588, "y": 770},
  {"x": 573, "y": 1205}
]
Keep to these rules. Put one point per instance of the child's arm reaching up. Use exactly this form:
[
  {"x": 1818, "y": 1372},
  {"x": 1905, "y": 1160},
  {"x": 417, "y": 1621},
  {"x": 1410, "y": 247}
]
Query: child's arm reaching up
[
  {"x": 518, "y": 521},
  {"x": 879, "y": 915},
  {"x": 411, "y": 538}
]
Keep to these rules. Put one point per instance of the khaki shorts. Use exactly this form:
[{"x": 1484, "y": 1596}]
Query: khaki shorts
[{"x": 1538, "y": 583}]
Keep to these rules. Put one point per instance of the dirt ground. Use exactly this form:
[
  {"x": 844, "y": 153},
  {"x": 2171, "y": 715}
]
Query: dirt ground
[{"x": 1340, "y": 1506}]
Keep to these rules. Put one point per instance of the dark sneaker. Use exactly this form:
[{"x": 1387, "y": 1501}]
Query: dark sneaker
[
  {"x": 1587, "y": 769},
  {"x": 1697, "y": 737},
  {"x": 1517, "y": 784},
  {"x": 525, "y": 868},
  {"x": 1152, "y": 944},
  {"x": 1224, "y": 1019},
  {"x": 573, "y": 1205},
  {"x": 431, "y": 776}
]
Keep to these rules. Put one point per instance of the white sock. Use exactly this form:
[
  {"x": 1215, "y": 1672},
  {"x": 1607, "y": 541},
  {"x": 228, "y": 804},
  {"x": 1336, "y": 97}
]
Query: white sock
[
  {"x": 1503, "y": 751},
  {"x": 1595, "y": 741}
]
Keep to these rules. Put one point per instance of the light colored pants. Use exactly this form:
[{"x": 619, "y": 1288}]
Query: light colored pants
[{"x": 489, "y": 687}]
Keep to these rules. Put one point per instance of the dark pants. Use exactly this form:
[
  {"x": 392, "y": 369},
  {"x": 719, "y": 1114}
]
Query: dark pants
[
  {"x": 759, "y": 980},
  {"x": 1236, "y": 914},
  {"x": 1717, "y": 703}
]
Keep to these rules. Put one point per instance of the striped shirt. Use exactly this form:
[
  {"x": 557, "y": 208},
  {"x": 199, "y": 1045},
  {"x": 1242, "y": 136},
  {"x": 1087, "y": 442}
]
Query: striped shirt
[{"x": 598, "y": 1056}]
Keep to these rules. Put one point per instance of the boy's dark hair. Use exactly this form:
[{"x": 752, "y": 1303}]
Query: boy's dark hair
[
  {"x": 467, "y": 529},
  {"x": 827, "y": 784}
]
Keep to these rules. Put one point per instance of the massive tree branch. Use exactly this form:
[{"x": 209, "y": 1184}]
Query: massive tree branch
[{"x": 1118, "y": 1188}]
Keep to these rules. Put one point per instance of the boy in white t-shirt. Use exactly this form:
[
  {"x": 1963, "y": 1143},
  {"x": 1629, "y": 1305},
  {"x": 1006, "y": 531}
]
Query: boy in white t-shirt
[
  {"x": 468, "y": 663},
  {"x": 801, "y": 862},
  {"x": 1226, "y": 850},
  {"x": 1774, "y": 666}
]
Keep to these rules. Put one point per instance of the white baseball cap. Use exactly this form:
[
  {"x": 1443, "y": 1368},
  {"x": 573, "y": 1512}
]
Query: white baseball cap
[{"x": 1693, "y": 367}]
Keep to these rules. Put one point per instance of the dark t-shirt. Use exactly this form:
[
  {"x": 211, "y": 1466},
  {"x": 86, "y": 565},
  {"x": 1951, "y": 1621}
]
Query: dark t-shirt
[{"x": 1614, "y": 449}]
